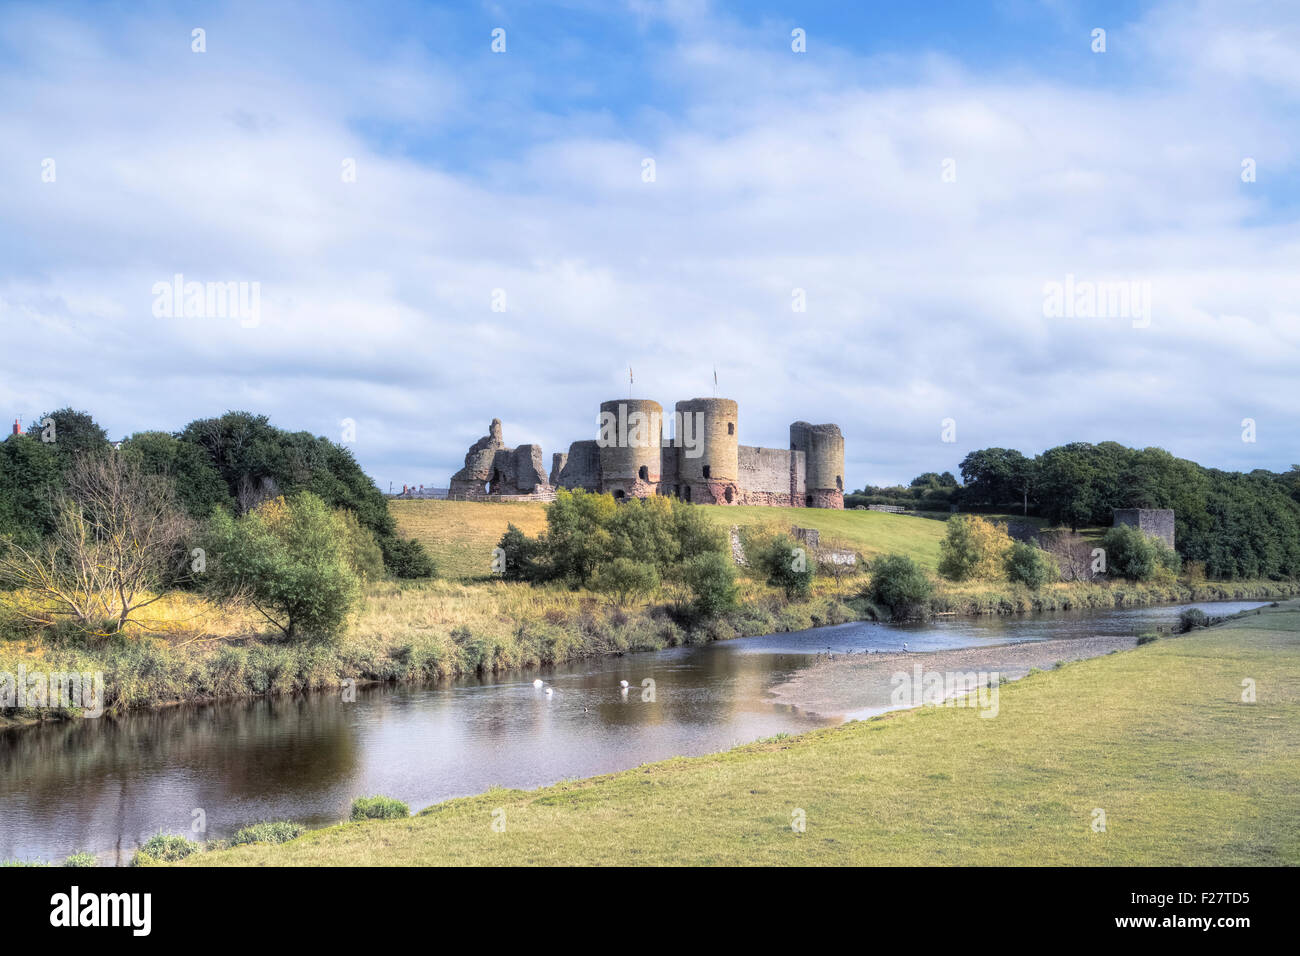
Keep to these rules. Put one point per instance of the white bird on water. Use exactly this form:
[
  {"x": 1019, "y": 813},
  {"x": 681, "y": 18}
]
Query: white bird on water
[
  {"x": 538, "y": 682},
  {"x": 550, "y": 691},
  {"x": 622, "y": 683}
]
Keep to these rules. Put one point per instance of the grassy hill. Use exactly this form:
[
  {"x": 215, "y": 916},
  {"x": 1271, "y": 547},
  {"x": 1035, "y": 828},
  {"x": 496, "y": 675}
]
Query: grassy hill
[
  {"x": 1157, "y": 737},
  {"x": 461, "y": 534}
]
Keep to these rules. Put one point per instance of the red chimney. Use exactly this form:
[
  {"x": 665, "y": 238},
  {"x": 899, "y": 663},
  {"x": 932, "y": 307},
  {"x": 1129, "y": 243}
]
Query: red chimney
[{"x": 18, "y": 429}]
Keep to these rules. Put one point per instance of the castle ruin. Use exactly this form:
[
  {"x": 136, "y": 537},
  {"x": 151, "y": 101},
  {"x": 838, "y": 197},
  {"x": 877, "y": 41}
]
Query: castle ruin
[{"x": 631, "y": 457}]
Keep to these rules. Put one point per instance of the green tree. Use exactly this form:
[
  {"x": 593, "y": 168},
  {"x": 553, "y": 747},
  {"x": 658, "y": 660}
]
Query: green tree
[
  {"x": 711, "y": 578},
  {"x": 198, "y": 485},
  {"x": 623, "y": 579},
  {"x": 73, "y": 432},
  {"x": 899, "y": 585},
  {"x": 1031, "y": 565},
  {"x": 785, "y": 565},
  {"x": 288, "y": 559},
  {"x": 29, "y": 479}
]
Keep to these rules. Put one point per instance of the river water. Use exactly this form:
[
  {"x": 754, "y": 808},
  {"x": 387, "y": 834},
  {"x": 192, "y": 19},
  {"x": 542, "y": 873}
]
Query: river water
[{"x": 107, "y": 785}]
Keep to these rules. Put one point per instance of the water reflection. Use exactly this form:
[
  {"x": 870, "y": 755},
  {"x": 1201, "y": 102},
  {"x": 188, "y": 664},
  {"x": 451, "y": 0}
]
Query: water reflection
[{"x": 106, "y": 785}]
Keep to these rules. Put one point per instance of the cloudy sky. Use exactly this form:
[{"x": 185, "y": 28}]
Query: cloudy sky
[{"x": 922, "y": 175}]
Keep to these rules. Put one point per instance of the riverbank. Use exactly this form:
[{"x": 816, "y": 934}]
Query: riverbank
[
  {"x": 190, "y": 652},
  {"x": 855, "y": 684},
  {"x": 1144, "y": 757}
]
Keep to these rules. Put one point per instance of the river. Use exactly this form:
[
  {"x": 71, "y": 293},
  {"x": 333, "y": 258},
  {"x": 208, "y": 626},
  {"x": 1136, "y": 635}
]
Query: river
[{"x": 106, "y": 785}]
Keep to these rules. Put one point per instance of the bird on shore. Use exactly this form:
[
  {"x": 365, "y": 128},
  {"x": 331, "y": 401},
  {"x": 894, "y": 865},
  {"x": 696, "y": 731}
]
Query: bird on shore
[{"x": 905, "y": 645}]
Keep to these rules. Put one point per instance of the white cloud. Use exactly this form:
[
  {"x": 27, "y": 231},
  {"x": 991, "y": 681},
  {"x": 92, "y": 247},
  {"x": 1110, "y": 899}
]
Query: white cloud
[{"x": 925, "y": 297}]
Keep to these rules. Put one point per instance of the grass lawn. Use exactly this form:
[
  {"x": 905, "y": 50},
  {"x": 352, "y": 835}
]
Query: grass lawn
[
  {"x": 460, "y": 535},
  {"x": 1157, "y": 737}
]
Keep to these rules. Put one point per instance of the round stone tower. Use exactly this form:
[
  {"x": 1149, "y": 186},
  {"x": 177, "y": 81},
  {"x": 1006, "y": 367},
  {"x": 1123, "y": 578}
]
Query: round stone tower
[
  {"x": 630, "y": 441},
  {"x": 823, "y": 448},
  {"x": 707, "y": 448}
]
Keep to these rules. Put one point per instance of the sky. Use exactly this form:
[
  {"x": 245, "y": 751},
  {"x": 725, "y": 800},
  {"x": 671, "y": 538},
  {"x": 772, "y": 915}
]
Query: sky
[{"x": 866, "y": 231}]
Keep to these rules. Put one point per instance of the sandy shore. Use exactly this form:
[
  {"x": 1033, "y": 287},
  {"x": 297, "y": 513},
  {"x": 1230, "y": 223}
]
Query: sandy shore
[{"x": 857, "y": 685}]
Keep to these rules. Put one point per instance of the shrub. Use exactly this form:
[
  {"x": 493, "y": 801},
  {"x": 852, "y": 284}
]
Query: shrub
[
  {"x": 898, "y": 584},
  {"x": 81, "y": 860},
  {"x": 1133, "y": 555},
  {"x": 164, "y": 848},
  {"x": 1030, "y": 565},
  {"x": 360, "y": 548},
  {"x": 1148, "y": 638},
  {"x": 379, "y": 808},
  {"x": 278, "y": 831},
  {"x": 521, "y": 556},
  {"x": 406, "y": 558},
  {"x": 973, "y": 548},
  {"x": 711, "y": 579},
  {"x": 288, "y": 559},
  {"x": 622, "y": 579},
  {"x": 1192, "y": 617},
  {"x": 785, "y": 565}
]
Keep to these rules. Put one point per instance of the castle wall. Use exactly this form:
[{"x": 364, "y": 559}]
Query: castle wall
[
  {"x": 582, "y": 466},
  {"x": 1156, "y": 522},
  {"x": 771, "y": 476}
]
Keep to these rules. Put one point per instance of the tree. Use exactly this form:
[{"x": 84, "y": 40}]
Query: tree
[
  {"x": 995, "y": 476},
  {"x": 287, "y": 558},
  {"x": 116, "y": 533},
  {"x": 899, "y": 585},
  {"x": 785, "y": 565},
  {"x": 198, "y": 485},
  {"x": 71, "y": 433},
  {"x": 30, "y": 479},
  {"x": 1030, "y": 565},
  {"x": 623, "y": 579},
  {"x": 521, "y": 556},
  {"x": 711, "y": 578},
  {"x": 973, "y": 548},
  {"x": 1069, "y": 485}
]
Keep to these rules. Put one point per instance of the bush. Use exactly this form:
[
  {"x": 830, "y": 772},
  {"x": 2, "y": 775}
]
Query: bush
[
  {"x": 406, "y": 558},
  {"x": 521, "y": 556},
  {"x": 278, "y": 831},
  {"x": 711, "y": 579},
  {"x": 379, "y": 808},
  {"x": 164, "y": 848},
  {"x": 898, "y": 584},
  {"x": 360, "y": 548},
  {"x": 1192, "y": 617},
  {"x": 973, "y": 548},
  {"x": 1148, "y": 638},
  {"x": 81, "y": 860},
  {"x": 1133, "y": 555},
  {"x": 623, "y": 579},
  {"x": 1030, "y": 565},
  {"x": 785, "y": 565},
  {"x": 288, "y": 559}
]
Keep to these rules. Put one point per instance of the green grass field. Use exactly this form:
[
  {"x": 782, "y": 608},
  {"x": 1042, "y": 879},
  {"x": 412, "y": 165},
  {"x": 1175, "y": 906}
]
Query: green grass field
[
  {"x": 1158, "y": 738},
  {"x": 460, "y": 535}
]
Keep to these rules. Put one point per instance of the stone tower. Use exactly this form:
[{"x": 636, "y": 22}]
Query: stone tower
[
  {"x": 631, "y": 451},
  {"x": 709, "y": 473},
  {"x": 823, "y": 448}
]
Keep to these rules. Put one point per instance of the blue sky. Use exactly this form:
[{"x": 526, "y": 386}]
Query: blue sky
[{"x": 774, "y": 171}]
